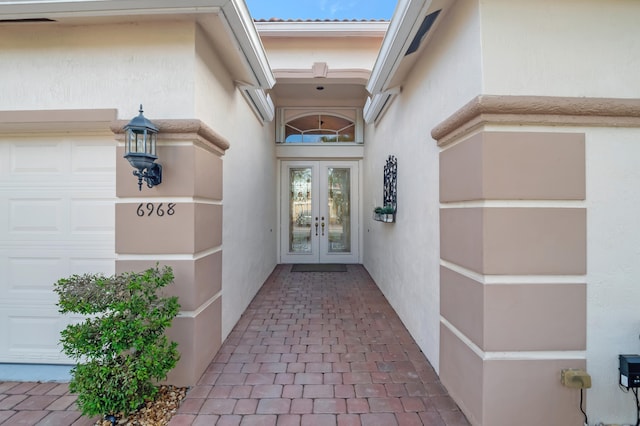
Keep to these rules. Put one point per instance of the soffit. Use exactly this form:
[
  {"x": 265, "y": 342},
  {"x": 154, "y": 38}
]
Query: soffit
[
  {"x": 307, "y": 94},
  {"x": 320, "y": 86}
]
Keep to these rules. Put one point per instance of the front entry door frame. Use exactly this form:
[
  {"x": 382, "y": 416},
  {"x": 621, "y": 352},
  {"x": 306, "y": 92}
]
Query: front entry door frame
[{"x": 320, "y": 250}]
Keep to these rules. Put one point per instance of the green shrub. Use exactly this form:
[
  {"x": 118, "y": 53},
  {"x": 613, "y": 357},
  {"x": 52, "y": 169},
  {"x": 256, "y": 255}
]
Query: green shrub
[{"x": 120, "y": 347}]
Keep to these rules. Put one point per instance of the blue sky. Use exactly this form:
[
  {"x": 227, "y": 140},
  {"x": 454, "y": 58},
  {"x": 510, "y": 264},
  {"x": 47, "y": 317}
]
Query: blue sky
[{"x": 321, "y": 9}]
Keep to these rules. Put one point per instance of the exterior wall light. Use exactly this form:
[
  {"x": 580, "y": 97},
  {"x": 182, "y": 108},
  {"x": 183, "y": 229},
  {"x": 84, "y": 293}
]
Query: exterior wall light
[{"x": 140, "y": 150}]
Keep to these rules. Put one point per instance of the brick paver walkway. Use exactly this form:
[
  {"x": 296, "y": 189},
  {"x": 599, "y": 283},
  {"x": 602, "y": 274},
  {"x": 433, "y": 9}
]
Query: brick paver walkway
[
  {"x": 319, "y": 349},
  {"x": 312, "y": 349},
  {"x": 42, "y": 404}
]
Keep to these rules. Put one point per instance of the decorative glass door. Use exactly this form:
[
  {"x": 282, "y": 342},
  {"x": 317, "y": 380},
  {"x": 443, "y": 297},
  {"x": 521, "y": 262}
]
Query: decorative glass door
[{"x": 319, "y": 212}]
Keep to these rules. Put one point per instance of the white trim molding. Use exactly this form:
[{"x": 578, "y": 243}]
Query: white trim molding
[
  {"x": 322, "y": 28},
  {"x": 259, "y": 101},
  {"x": 59, "y": 9},
  {"x": 403, "y": 28},
  {"x": 246, "y": 35},
  {"x": 511, "y": 355},
  {"x": 376, "y": 105}
]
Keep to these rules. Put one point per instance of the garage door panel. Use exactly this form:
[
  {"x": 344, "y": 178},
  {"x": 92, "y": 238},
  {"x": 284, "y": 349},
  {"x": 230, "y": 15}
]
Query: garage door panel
[
  {"x": 86, "y": 265},
  {"x": 36, "y": 216},
  {"x": 75, "y": 216},
  {"x": 92, "y": 159},
  {"x": 30, "y": 158},
  {"x": 39, "y": 157},
  {"x": 5, "y": 161},
  {"x": 32, "y": 334},
  {"x": 92, "y": 216},
  {"x": 29, "y": 275}
]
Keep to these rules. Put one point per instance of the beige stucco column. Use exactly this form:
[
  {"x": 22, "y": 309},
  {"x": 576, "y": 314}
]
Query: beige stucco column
[
  {"x": 513, "y": 260},
  {"x": 178, "y": 223}
]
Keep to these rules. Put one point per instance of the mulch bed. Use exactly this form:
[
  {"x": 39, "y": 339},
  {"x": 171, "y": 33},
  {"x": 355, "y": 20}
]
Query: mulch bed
[{"x": 154, "y": 413}]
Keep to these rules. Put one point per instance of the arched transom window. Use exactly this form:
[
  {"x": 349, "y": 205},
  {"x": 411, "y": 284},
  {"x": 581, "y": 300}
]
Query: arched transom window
[{"x": 319, "y": 128}]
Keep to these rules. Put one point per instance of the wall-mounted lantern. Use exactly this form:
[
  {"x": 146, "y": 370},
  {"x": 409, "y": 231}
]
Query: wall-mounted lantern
[{"x": 140, "y": 150}]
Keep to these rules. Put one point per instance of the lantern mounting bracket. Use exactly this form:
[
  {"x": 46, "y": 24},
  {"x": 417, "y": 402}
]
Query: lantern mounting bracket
[{"x": 152, "y": 175}]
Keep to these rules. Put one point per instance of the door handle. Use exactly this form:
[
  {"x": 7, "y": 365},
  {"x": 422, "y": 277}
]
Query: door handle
[
  {"x": 323, "y": 227},
  {"x": 316, "y": 228}
]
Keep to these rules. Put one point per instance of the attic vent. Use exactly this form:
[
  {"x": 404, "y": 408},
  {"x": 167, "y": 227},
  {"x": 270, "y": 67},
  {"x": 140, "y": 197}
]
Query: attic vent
[
  {"x": 28, "y": 20},
  {"x": 422, "y": 31}
]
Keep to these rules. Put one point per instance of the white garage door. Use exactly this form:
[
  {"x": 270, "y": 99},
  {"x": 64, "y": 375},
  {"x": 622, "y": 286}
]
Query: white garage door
[{"x": 57, "y": 199}]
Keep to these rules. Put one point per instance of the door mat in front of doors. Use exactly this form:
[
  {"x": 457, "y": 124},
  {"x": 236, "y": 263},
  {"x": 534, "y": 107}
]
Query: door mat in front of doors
[{"x": 319, "y": 267}]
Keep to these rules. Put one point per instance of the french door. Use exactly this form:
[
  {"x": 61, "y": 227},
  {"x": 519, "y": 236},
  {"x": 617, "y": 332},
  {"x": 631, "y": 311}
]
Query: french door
[{"x": 319, "y": 212}]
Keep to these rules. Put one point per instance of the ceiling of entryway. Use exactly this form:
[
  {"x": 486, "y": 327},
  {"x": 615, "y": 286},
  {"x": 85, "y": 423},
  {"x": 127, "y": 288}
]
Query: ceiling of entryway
[{"x": 288, "y": 92}]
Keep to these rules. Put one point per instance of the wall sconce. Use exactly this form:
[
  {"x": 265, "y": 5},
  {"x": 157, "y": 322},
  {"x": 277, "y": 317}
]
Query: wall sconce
[{"x": 140, "y": 140}]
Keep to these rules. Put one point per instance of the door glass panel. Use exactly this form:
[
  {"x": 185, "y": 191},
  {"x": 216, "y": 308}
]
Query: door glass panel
[
  {"x": 300, "y": 213},
  {"x": 339, "y": 194}
]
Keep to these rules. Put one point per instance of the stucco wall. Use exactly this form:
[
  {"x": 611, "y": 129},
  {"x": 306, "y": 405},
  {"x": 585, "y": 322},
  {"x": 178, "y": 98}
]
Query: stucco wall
[
  {"x": 613, "y": 250},
  {"x": 249, "y": 227},
  {"x": 249, "y": 184},
  {"x": 580, "y": 48},
  {"x": 403, "y": 258},
  {"x": 50, "y": 66}
]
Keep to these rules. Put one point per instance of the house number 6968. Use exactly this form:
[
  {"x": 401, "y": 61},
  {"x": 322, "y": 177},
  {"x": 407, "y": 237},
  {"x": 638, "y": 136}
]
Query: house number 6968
[{"x": 149, "y": 209}]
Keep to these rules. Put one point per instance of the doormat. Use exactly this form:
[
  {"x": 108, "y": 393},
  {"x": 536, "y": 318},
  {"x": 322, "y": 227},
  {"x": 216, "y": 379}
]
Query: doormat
[{"x": 319, "y": 267}]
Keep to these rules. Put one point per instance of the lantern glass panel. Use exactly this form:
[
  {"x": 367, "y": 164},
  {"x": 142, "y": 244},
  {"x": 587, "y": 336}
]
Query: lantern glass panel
[
  {"x": 131, "y": 141},
  {"x": 140, "y": 142},
  {"x": 152, "y": 144}
]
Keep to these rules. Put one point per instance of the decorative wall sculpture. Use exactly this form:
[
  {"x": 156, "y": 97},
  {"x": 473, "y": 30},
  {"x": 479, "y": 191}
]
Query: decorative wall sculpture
[{"x": 387, "y": 212}]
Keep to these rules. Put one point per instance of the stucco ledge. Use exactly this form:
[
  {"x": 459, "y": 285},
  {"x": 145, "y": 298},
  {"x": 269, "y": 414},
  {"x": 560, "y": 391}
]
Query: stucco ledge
[
  {"x": 180, "y": 129},
  {"x": 537, "y": 110}
]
